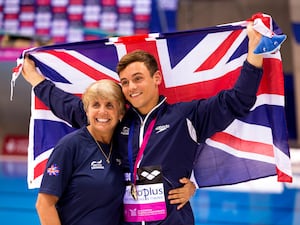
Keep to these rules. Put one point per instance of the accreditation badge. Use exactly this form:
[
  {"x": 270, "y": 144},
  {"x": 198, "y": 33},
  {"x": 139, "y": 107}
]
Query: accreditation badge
[{"x": 145, "y": 200}]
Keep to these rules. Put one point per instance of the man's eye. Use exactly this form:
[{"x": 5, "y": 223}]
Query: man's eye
[
  {"x": 124, "y": 83},
  {"x": 138, "y": 79}
]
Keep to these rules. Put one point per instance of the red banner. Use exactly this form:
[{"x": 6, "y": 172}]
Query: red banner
[{"x": 15, "y": 145}]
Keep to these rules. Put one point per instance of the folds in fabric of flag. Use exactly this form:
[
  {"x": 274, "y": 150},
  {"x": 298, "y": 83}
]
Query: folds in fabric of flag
[{"x": 195, "y": 64}]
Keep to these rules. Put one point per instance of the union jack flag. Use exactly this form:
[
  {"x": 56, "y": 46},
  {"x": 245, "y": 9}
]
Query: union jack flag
[
  {"x": 209, "y": 60},
  {"x": 53, "y": 170}
]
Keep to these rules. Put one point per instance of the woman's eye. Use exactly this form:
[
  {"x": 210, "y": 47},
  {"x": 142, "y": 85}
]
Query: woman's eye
[
  {"x": 109, "y": 105},
  {"x": 96, "y": 105}
]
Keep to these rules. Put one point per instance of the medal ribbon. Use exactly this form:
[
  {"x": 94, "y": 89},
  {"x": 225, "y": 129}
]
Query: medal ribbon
[{"x": 133, "y": 169}]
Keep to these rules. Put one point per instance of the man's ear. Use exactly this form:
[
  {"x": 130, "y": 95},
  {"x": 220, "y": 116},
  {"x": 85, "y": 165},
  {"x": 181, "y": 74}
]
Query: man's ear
[{"x": 157, "y": 76}]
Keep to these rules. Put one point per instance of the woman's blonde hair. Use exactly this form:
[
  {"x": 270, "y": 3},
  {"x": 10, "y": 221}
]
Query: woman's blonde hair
[{"x": 106, "y": 89}]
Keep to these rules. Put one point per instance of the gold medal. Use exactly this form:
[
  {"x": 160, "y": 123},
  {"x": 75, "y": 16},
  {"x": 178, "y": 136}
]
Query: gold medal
[{"x": 133, "y": 192}]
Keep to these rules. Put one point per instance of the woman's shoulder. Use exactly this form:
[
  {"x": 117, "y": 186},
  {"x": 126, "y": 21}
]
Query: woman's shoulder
[{"x": 76, "y": 136}]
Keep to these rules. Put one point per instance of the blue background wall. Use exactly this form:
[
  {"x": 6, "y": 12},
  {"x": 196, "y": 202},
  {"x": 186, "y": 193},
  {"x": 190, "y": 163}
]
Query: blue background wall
[{"x": 211, "y": 206}]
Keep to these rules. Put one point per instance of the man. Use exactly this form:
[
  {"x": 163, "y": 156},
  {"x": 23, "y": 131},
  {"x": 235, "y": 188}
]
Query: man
[{"x": 156, "y": 139}]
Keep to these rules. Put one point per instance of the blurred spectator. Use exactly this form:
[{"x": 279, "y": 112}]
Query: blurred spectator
[{"x": 23, "y": 41}]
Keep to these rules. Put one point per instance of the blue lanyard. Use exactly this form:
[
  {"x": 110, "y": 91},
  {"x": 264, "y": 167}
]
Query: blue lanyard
[{"x": 130, "y": 151}]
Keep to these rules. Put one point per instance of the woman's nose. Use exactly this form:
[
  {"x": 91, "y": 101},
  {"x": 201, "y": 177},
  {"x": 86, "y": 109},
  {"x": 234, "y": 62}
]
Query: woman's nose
[{"x": 102, "y": 110}]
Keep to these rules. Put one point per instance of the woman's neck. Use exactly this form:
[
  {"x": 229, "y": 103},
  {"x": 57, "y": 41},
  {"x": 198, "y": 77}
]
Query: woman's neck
[{"x": 105, "y": 139}]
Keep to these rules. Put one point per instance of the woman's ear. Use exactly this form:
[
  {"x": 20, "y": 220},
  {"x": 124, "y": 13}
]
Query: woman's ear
[
  {"x": 87, "y": 116},
  {"x": 121, "y": 117}
]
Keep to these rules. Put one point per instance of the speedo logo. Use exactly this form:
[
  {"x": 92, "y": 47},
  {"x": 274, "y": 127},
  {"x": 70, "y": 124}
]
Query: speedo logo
[
  {"x": 97, "y": 165},
  {"x": 161, "y": 128},
  {"x": 125, "y": 131}
]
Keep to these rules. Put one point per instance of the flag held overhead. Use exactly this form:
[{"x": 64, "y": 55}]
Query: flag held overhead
[{"x": 195, "y": 64}]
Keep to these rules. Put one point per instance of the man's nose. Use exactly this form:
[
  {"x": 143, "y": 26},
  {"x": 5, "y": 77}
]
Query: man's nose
[{"x": 132, "y": 85}]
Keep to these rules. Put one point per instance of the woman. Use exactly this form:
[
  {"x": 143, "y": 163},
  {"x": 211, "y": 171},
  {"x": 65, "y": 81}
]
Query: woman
[{"x": 83, "y": 181}]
